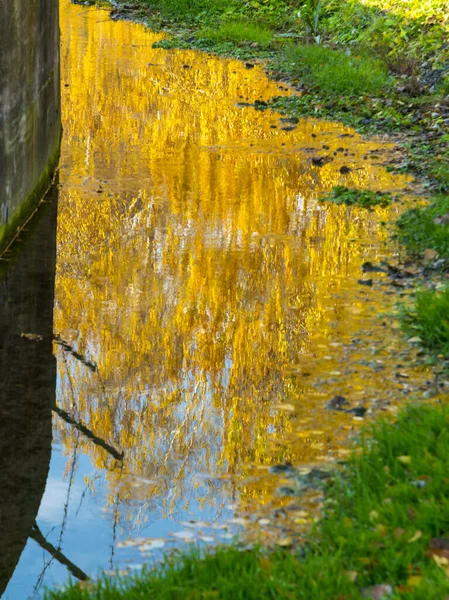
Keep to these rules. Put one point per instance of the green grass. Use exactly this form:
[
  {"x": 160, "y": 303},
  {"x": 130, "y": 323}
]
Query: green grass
[
  {"x": 353, "y": 197},
  {"x": 380, "y": 523},
  {"x": 238, "y": 32},
  {"x": 188, "y": 10},
  {"x": 429, "y": 320},
  {"x": 333, "y": 71},
  {"x": 417, "y": 229}
]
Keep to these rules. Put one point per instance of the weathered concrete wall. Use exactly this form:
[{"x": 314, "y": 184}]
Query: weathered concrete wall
[{"x": 29, "y": 105}]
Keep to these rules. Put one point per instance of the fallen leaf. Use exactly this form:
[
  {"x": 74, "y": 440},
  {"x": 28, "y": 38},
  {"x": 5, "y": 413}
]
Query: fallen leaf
[
  {"x": 87, "y": 586},
  {"x": 405, "y": 460},
  {"x": 441, "y": 561},
  {"x": 284, "y": 406},
  {"x": 130, "y": 543},
  {"x": 195, "y": 524},
  {"x": 299, "y": 514},
  {"x": 186, "y": 536},
  {"x": 238, "y": 521},
  {"x": 415, "y": 537},
  {"x": 150, "y": 545},
  {"x": 430, "y": 254},
  {"x": 206, "y": 538},
  {"x": 285, "y": 542},
  {"x": 414, "y": 580},
  {"x": 33, "y": 337}
]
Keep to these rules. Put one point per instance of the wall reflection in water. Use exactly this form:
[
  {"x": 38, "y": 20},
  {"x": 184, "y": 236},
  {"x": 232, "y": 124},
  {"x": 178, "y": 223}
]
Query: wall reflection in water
[{"x": 27, "y": 382}]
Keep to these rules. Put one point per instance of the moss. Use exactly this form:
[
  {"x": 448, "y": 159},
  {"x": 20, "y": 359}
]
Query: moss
[{"x": 30, "y": 203}]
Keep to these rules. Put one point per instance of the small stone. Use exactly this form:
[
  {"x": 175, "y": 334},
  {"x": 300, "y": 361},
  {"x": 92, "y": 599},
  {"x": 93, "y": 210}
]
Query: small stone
[
  {"x": 337, "y": 403},
  {"x": 377, "y": 592},
  {"x": 368, "y": 282}
]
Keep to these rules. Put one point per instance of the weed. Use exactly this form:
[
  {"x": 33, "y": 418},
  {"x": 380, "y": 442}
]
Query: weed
[
  {"x": 352, "y": 197},
  {"x": 421, "y": 228},
  {"x": 310, "y": 13},
  {"x": 333, "y": 71},
  {"x": 238, "y": 32},
  {"x": 429, "y": 320}
]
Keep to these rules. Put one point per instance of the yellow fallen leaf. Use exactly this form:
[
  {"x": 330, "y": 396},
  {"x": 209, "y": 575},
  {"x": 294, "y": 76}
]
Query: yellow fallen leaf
[
  {"x": 285, "y": 542},
  {"x": 381, "y": 529},
  {"x": 284, "y": 406},
  {"x": 299, "y": 514},
  {"x": 441, "y": 561},
  {"x": 405, "y": 460},
  {"x": 34, "y": 337},
  {"x": 415, "y": 537},
  {"x": 414, "y": 580}
]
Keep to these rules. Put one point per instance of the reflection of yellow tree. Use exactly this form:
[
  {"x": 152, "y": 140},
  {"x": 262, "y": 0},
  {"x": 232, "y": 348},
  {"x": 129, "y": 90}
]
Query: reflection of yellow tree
[{"x": 193, "y": 265}]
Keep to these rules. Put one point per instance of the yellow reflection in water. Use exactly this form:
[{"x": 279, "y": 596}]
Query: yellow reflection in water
[{"x": 198, "y": 271}]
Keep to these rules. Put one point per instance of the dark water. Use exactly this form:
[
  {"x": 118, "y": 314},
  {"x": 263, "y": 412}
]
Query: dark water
[{"x": 27, "y": 384}]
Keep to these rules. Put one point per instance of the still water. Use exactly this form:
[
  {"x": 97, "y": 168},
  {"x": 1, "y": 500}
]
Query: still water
[{"x": 206, "y": 309}]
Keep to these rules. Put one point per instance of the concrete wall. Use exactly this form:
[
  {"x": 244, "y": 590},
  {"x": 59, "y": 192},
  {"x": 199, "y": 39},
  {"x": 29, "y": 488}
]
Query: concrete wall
[{"x": 29, "y": 105}]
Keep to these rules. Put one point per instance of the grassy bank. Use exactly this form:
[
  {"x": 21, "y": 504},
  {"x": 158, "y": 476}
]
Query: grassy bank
[{"x": 386, "y": 524}]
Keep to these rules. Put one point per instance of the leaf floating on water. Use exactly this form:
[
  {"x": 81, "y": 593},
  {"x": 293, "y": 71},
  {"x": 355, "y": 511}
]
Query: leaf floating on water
[
  {"x": 33, "y": 337},
  {"x": 185, "y": 536},
  {"x": 284, "y": 406},
  {"x": 150, "y": 545},
  {"x": 218, "y": 526},
  {"x": 239, "y": 521},
  {"x": 131, "y": 543},
  {"x": 195, "y": 524}
]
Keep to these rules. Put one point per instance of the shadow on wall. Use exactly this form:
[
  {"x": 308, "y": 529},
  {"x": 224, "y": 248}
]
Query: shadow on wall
[{"x": 27, "y": 382}]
